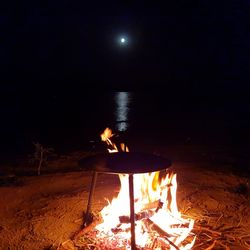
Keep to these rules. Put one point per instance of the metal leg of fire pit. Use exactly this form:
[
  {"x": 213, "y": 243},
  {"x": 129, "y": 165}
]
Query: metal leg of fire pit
[
  {"x": 132, "y": 211},
  {"x": 92, "y": 188}
]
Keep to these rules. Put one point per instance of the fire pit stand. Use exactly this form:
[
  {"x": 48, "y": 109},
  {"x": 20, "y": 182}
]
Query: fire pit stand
[
  {"x": 132, "y": 210},
  {"x": 122, "y": 163}
]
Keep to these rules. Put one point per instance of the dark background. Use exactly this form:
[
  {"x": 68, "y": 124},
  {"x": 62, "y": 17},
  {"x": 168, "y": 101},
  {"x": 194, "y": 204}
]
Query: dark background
[
  {"x": 197, "y": 45},
  {"x": 191, "y": 58}
]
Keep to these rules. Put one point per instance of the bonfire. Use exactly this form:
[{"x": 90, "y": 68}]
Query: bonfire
[
  {"x": 159, "y": 224},
  {"x": 220, "y": 210}
]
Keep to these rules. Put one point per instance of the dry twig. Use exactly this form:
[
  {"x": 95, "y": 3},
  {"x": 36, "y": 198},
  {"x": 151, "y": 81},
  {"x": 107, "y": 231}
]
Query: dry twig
[{"x": 212, "y": 246}]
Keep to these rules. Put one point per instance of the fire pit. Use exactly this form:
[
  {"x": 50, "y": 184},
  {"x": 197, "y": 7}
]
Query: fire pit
[
  {"x": 146, "y": 201},
  {"x": 121, "y": 163}
]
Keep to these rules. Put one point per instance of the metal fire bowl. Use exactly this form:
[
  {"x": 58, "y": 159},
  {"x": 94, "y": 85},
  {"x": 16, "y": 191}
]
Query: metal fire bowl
[{"x": 124, "y": 163}]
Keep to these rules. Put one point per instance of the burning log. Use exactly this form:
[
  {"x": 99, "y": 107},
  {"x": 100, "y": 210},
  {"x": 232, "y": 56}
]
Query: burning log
[
  {"x": 119, "y": 230},
  {"x": 146, "y": 212},
  {"x": 139, "y": 216},
  {"x": 153, "y": 205},
  {"x": 163, "y": 242},
  {"x": 152, "y": 226}
]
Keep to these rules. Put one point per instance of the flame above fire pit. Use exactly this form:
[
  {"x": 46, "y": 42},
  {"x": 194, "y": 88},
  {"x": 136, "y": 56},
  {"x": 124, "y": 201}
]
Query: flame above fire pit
[
  {"x": 156, "y": 211},
  {"x": 158, "y": 223}
]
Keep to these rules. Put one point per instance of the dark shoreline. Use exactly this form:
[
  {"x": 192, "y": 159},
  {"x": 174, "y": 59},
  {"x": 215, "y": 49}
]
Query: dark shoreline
[{"x": 236, "y": 161}]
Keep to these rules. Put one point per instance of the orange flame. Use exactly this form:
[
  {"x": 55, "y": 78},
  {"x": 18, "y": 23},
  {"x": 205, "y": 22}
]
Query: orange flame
[
  {"x": 105, "y": 136},
  {"x": 155, "y": 202}
]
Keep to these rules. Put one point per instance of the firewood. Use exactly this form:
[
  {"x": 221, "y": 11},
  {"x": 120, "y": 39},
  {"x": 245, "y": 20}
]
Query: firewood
[
  {"x": 88, "y": 228},
  {"x": 119, "y": 230},
  {"x": 146, "y": 212},
  {"x": 139, "y": 216},
  {"x": 169, "y": 241},
  {"x": 150, "y": 225},
  {"x": 153, "y": 205}
]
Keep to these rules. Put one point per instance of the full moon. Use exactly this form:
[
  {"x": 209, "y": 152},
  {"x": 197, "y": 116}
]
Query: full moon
[{"x": 123, "y": 40}]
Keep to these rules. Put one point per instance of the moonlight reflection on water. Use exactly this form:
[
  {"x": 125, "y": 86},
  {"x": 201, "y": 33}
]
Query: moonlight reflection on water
[{"x": 122, "y": 100}]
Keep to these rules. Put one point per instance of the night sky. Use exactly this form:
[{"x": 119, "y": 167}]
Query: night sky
[
  {"x": 195, "y": 53},
  {"x": 193, "y": 46}
]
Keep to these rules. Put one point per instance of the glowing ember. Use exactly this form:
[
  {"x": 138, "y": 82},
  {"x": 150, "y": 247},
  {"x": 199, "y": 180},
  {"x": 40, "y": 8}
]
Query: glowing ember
[{"x": 159, "y": 224}]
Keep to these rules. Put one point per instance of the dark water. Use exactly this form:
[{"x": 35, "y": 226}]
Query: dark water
[{"x": 69, "y": 120}]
